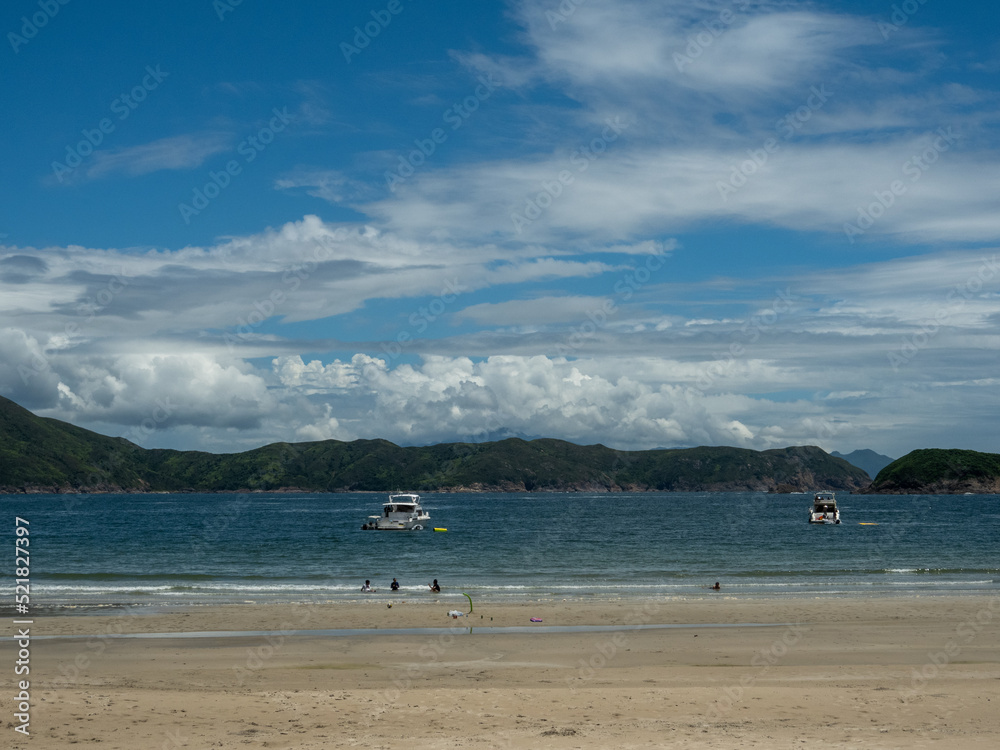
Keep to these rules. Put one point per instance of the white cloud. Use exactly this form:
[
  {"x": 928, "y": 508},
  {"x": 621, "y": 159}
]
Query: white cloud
[
  {"x": 812, "y": 363},
  {"x": 534, "y": 312},
  {"x": 327, "y": 184},
  {"x": 755, "y": 66},
  {"x": 625, "y": 193},
  {"x": 192, "y": 389},
  {"x": 304, "y": 270},
  {"x": 725, "y": 46},
  {"x": 176, "y": 152}
]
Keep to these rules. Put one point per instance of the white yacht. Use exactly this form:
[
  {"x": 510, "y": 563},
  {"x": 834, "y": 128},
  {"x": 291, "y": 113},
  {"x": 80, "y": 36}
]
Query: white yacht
[
  {"x": 401, "y": 513},
  {"x": 824, "y": 508}
]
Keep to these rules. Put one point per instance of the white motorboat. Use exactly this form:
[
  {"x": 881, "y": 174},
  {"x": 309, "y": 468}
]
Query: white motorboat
[
  {"x": 401, "y": 513},
  {"x": 824, "y": 508}
]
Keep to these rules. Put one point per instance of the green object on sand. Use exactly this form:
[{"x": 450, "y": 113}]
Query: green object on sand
[{"x": 470, "y": 601}]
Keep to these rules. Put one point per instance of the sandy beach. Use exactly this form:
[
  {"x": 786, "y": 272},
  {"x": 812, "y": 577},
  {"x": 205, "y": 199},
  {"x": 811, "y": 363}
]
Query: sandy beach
[{"x": 889, "y": 673}]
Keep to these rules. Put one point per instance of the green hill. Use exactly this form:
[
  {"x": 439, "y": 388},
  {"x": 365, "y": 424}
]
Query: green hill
[
  {"x": 937, "y": 471},
  {"x": 46, "y": 455},
  {"x": 39, "y": 452}
]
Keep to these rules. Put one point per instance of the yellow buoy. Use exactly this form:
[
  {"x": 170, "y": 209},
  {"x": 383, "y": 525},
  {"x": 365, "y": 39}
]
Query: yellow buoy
[
  {"x": 867, "y": 524},
  {"x": 437, "y": 529}
]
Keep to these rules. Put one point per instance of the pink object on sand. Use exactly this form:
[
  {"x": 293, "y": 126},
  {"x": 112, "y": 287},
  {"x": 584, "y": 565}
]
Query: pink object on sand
[{"x": 536, "y": 619}]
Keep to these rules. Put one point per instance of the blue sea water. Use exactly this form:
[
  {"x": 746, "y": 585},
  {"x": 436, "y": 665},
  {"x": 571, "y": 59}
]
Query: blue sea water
[{"x": 190, "y": 549}]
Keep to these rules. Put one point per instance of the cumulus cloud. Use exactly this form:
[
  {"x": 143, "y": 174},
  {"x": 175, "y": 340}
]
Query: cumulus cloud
[
  {"x": 456, "y": 398},
  {"x": 814, "y": 358},
  {"x": 182, "y": 389},
  {"x": 655, "y": 404}
]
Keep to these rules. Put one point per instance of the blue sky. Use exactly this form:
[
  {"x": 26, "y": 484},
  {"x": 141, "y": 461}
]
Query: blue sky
[{"x": 635, "y": 223}]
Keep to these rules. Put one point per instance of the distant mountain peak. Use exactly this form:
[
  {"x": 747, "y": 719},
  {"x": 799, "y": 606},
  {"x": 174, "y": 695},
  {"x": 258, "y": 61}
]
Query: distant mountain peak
[{"x": 865, "y": 459}]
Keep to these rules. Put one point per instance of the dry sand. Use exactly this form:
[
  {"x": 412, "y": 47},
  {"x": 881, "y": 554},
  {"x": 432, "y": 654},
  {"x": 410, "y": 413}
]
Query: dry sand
[{"x": 890, "y": 673}]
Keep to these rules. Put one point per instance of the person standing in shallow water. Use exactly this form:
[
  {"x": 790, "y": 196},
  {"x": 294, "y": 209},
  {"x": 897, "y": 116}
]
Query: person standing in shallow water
[
  {"x": 434, "y": 587},
  {"x": 394, "y": 585}
]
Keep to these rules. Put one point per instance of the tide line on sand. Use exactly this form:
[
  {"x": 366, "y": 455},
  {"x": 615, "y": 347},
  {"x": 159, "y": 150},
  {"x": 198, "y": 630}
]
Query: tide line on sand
[{"x": 463, "y": 630}]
